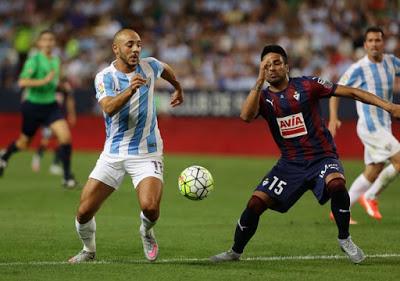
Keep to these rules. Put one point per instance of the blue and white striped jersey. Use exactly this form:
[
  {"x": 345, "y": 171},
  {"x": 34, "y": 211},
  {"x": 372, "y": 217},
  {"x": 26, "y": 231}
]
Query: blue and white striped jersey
[
  {"x": 376, "y": 78},
  {"x": 133, "y": 131}
]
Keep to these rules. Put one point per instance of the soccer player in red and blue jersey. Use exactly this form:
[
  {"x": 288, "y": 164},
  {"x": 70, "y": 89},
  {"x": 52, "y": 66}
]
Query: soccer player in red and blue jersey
[{"x": 309, "y": 160}]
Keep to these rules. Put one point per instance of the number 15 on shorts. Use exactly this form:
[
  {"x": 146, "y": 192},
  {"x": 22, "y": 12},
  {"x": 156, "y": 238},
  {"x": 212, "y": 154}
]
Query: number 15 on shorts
[{"x": 276, "y": 185}]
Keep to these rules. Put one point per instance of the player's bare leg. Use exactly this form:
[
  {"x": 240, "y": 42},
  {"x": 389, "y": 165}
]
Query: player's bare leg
[
  {"x": 38, "y": 155},
  {"x": 93, "y": 195},
  {"x": 149, "y": 192},
  {"x": 370, "y": 199},
  {"x": 21, "y": 143}
]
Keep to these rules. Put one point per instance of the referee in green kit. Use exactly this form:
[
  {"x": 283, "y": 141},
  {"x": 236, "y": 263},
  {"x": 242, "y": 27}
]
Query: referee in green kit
[{"x": 40, "y": 76}]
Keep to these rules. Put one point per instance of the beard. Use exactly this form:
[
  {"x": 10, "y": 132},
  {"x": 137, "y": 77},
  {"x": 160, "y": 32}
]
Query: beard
[{"x": 276, "y": 80}]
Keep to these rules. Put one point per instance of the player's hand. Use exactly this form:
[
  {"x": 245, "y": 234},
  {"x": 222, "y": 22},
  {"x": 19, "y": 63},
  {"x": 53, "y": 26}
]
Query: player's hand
[
  {"x": 66, "y": 86},
  {"x": 49, "y": 77},
  {"x": 71, "y": 119},
  {"x": 262, "y": 70},
  {"x": 137, "y": 81},
  {"x": 395, "y": 110},
  {"x": 176, "y": 97},
  {"x": 333, "y": 126}
]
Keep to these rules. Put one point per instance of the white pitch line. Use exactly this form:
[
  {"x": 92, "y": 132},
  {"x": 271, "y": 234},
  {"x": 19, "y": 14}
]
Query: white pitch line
[{"x": 188, "y": 260}]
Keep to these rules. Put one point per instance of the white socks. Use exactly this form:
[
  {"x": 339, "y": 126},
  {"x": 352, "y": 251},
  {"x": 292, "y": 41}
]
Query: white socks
[
  {"x": 385, "y": 177},
  {"x": 87, "y": 233},
  {"x": 358, "y": 188},
  {"x": 146, "y": 223}
]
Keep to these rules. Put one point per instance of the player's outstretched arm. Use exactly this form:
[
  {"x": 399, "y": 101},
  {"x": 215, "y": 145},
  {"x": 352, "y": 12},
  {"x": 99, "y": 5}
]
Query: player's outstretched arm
[
  {"x": 111, "y": 105},
  {"x": 366, "y": 97},
  {"x": 334, "y": 122},
  {"x": 169, "y": 75},
  {"x": 251, "y": 104}
]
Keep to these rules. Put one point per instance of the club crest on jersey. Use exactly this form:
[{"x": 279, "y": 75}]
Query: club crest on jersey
[
  {"x": 296, "y": 95},
  {"x": 292, "y": 126}
]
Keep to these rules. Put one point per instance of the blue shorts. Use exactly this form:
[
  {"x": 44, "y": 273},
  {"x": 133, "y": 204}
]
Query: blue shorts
[
  {"x": 289, "y": 180},
  {"x": 37, "y": 115}
]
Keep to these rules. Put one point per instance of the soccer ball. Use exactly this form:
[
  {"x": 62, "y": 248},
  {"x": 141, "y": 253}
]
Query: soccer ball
[{"x": 195, "y": 183}]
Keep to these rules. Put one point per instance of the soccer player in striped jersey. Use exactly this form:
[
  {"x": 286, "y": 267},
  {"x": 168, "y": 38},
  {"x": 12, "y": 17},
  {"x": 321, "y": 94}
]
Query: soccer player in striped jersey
[
  {"x": 375, "y": 73},
  {"x": 309, "y": 160},
  {"x": 125, "y": 92}
]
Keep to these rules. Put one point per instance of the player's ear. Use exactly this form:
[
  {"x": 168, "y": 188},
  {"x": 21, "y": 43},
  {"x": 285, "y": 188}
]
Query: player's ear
[{"x": 115, "y": 49}]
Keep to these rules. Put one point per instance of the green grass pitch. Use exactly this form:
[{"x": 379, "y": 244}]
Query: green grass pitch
[{"x": 37, "y": 233}]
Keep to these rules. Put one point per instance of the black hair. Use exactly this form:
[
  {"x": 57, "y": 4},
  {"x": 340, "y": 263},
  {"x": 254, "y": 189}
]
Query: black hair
[
  {"x": 274, "y": 49},
  {"x": 373, "y": 29}
]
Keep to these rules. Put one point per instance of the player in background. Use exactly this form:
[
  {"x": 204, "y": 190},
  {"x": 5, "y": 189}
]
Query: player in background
[
  {"x": 308, "y": 153},
  {"x": 125, "y": 92},
  {"x": 375, "y": 73},
  {"x": 40, "y": 78},
  {"x": 66, "y": 101}
]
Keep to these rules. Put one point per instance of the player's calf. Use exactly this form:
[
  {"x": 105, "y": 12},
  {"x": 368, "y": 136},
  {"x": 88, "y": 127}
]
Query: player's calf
[{"x": 340, "y": 205}]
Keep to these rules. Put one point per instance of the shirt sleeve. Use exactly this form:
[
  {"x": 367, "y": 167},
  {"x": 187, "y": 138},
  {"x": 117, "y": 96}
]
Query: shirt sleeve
[
  {"x": 352, "y": 77},
  {"x": 396, "y": 64},
  {"x": 104, "y": 85},
  {"x": 29, "y": 68},
  {"x": 322, "y": 88},
  {"x": 157, "y": 66}
]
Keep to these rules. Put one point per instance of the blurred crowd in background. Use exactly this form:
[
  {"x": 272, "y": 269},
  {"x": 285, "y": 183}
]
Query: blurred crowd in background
[{"x": 212, "y": 45}]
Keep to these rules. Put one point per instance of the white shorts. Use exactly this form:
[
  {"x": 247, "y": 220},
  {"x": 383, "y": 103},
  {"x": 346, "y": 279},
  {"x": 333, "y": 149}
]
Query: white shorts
[
  {"x": 111, "y": 171},
  {"x": 379, "y": 146}
]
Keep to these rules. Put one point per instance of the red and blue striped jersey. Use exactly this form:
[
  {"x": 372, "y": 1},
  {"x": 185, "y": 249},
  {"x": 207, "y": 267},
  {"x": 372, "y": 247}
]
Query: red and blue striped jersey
[{"x": 295, "y": 120}]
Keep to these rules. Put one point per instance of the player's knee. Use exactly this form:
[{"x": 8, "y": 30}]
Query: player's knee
[
  {"x": 22, "y": 143},
  {"x": 64, "y": 140},
  {"x": 335, "y": 185},
  {"x": 257, "y": 205}
]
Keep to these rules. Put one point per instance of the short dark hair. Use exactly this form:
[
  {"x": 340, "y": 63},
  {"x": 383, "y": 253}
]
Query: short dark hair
[
  {"x": 274, "y": 49},
  {"x": 373, "y": 29},
  {"x": 46, "y": 31}
]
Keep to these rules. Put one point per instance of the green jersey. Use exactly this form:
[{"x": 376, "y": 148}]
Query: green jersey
[{"x": 38, "y": 66}]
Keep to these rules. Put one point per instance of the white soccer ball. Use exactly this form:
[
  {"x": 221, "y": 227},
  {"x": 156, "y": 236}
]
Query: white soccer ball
[{"x": 195, "y": 183}]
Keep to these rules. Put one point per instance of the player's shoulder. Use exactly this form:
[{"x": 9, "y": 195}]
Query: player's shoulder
[
  {"x": 313, "y": 81},
  {"x": 149, "y": 59},
  {"x": 33, "y": 57},
  {"x": 104, "y": 71},
  {"x": 305, "y": 78},
  {"x": 391, "y": 58}
]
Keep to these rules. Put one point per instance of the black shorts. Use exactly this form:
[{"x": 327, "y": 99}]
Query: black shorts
[
  {"x": 37, "y": 115},
  {"x": 289, "y": 180}
]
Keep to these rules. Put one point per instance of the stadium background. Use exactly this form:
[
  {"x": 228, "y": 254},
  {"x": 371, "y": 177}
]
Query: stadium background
[{"x": 213, "y": 46}]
